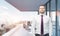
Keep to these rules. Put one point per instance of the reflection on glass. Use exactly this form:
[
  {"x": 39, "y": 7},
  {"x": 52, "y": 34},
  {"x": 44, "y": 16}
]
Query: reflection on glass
[{"x": 58, "y": 25}]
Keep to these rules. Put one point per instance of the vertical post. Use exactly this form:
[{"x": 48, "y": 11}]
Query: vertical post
[
  {"x": 46, "y": 9},
  {"x": 49, "y": 7},
  {"x": 56, "y": 17}
]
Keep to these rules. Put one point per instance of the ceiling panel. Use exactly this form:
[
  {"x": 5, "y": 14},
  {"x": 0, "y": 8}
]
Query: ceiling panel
[{"x": 27, "y": 5}]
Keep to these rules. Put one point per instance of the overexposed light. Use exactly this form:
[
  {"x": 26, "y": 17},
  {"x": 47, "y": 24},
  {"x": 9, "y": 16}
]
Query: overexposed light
[{"x": 1, "y": 7}]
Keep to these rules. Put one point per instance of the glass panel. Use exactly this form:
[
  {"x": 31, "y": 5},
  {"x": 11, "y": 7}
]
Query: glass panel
[{"x": 54, "y": 10}]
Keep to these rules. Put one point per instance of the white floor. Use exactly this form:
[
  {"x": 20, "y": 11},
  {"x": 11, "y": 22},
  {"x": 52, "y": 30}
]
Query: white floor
[{"x": 17, "y": 31}]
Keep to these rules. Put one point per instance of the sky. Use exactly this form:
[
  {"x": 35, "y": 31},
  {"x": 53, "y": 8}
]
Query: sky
[{"x": 6, "y": 11}]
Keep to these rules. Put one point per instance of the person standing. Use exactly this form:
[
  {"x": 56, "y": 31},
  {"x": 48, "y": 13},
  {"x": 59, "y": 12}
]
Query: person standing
[{"x": 41, "y": 24}]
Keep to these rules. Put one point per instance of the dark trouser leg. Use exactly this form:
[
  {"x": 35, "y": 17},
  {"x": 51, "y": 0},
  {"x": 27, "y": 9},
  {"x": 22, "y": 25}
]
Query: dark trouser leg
[
  {"x": 37, "y": 35},
  {"x": 40, "y": 35},
  {"x": 46, "y": 34}
]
